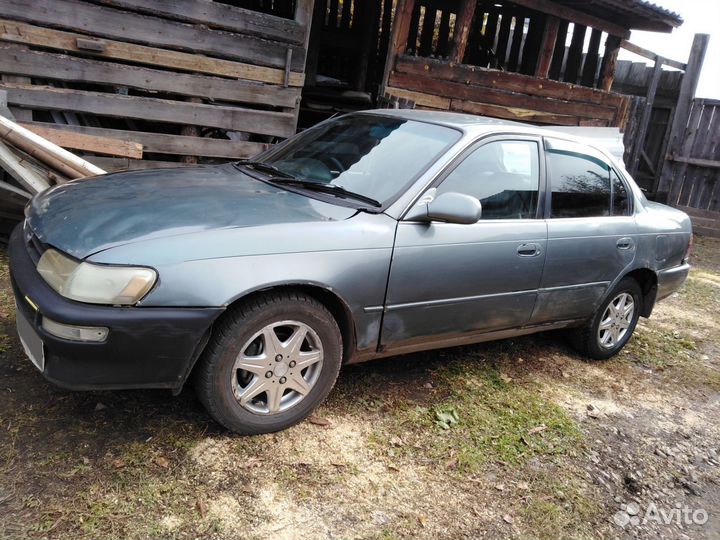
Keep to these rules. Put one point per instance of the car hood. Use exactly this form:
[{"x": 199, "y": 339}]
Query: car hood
[{"x": 87, "y": 216}]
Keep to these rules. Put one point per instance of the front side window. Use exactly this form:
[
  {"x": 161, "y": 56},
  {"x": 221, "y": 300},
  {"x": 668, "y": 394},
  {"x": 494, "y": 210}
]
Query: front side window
[
  {"x": 371, "y": 155},
  {"x": 503, "y": 175}
]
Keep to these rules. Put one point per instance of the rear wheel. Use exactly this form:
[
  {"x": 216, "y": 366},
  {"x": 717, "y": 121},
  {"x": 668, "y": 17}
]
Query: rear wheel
[
  {"x": 613, "y": 323},
  {"x": 270, "y": 362}
]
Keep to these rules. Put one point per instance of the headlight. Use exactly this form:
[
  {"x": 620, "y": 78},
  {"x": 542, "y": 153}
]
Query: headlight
[{"x": 95, "y": 283}]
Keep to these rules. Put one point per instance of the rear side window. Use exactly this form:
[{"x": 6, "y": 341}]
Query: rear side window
[
  {"x": 502, "y": 175},
  {"x": 584, "y": 186}
]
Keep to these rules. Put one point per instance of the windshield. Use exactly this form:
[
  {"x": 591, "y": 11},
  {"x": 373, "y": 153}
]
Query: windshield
[{"x": 373, "y": 156}]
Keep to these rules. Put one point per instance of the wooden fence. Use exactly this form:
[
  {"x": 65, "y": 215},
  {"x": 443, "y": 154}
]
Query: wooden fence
[
  {"x": 695, "y": 167},
  {"x": 176, "y": 79}
]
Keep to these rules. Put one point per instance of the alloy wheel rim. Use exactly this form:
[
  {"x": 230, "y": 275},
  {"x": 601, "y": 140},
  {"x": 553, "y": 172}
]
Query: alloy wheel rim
[
  {"x": 277, "y": 367},
  {"x": 616, "y": 320}
]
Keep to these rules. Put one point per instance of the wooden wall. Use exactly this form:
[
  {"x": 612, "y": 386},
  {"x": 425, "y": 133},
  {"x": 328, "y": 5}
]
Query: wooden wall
[
  {"x": 506, "y": 60},
  {"x": 434, "y": 84},
  {"x": 178, "y": 79}
]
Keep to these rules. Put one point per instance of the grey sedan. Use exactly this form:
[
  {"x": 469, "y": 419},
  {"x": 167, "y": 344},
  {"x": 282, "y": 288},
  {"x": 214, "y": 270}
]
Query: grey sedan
[{"x": 369, "y": 235}]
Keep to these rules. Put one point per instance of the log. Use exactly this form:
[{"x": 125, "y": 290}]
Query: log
[{"x": 68, "y": 158}]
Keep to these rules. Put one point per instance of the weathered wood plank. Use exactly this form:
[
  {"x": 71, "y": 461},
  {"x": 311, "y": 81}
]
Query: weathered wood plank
[
  {"x": 420, "y": 98},
  {"x": 502, "y": 80},
  {"x": 112, "y": 23},
  {"x": 466, "y": 92},
  {"x": 70, "y": 68},
  {"x": 463, "y": 22},
  {"x": 607, "y": 70},
  {"x": 153, "y": 109},
  {"x": 711, "y": 163},
  {"x": 15, "y": 32},
  {"x": 679, "y": 169},
  {"x": 547, "y": 46},
  {"x": 399, "y": 37},
  {"x": 682, "y": 110},
  {"x": 89, "y": 143},
  {"x": 634, "y": 161},
  {"x": 645, "y": 53},
  {"x": 512, "y": 113},
  {"x": 163, "y": 143},
  {"x": 218, "y": 15}
]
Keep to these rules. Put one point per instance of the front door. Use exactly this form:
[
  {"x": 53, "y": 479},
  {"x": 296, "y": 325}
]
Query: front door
[{"x": 452, "y": 281}]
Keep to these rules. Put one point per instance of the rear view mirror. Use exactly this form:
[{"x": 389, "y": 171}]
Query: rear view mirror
[{"x": 449, "y": 208}]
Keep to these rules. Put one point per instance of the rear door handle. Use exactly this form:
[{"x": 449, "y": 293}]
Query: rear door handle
[
  {"x": 528, "y": 250},
  {"x": 625, "y": 243}
]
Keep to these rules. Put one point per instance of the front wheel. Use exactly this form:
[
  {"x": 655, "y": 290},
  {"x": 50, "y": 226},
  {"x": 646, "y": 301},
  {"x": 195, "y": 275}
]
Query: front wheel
[
  {"x": 270, "y": 362},
  {"x": 613, "y": 323}
]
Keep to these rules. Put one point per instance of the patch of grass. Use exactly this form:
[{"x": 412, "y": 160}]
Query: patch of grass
[
  {"x": 558, "y": 508},
  {"x": 497, "y": 420},
  {"x": 659, "y": 349}
]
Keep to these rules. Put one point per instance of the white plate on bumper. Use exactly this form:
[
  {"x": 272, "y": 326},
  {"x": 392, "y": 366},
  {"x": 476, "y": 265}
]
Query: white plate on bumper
[{"x": 30, "y": 340}]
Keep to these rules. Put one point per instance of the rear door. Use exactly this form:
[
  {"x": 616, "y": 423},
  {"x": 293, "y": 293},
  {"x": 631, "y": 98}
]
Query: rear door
[
  {"x": 591, "y": 231},
  {"x": 452, "y": 281}
]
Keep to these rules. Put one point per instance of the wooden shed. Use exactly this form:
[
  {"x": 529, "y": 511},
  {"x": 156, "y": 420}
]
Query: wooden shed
[{"x": 543, "y": 61}]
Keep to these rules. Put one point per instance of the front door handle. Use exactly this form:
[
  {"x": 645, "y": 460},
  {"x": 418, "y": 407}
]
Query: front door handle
[
  {"x": 528, "y": 250},
  {"x": 625, "y": 243}
]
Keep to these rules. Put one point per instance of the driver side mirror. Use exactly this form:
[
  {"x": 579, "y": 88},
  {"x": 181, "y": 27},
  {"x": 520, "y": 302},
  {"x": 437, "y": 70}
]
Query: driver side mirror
[{"x": 449, "y": 207}]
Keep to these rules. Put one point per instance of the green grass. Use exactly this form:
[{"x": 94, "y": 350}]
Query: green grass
[{"x": 496, "y": 420}]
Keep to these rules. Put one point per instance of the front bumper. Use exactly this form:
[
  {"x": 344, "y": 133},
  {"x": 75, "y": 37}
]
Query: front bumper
[{"x": 145, "y": 348}]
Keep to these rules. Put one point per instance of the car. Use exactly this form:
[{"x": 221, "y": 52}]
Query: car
[{"x": 370, "y": 235}]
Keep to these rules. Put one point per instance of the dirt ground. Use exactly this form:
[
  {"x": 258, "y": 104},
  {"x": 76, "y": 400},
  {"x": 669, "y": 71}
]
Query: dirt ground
[{"x": 519, "y": 438}]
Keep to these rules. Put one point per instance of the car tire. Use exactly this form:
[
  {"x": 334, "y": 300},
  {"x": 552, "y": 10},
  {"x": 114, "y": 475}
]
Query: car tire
[
  {"x": 283, "y": 382},
  {"x": 612, "y": 325}
]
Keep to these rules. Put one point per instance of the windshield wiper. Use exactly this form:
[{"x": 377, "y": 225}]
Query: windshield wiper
[
  {"x": 266, "y": 168},
  {"x": 326, "y": 188}
]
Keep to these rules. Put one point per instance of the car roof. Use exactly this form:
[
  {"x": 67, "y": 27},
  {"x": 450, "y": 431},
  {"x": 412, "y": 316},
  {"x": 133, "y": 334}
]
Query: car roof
[
  {"x": 446, "y": 118},
  {"x": 481, "y": 125}
]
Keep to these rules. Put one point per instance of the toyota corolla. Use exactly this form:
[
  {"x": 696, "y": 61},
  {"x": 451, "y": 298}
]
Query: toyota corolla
[{"x": 369, "y": 235}]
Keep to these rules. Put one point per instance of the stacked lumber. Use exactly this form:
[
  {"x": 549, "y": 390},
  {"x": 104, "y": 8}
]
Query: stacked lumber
[
  {"x": 30, "y": 164},
  {"x": 131, "y": 84}
]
